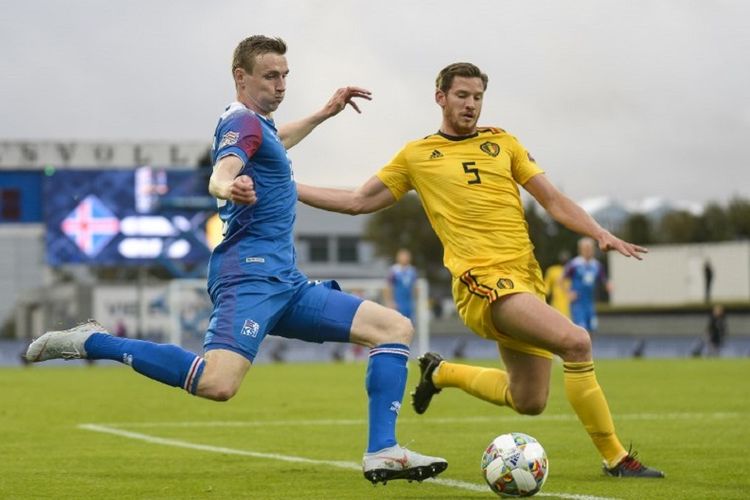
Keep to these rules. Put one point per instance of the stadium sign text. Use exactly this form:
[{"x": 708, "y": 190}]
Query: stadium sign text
[{"x": 30, "y": 154}]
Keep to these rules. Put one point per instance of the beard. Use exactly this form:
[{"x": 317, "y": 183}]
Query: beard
[{"x": 464, "y": 126}]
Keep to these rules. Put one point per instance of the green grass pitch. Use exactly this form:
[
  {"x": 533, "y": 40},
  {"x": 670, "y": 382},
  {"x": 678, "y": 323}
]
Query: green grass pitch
[{"x": 299, "y": 430}]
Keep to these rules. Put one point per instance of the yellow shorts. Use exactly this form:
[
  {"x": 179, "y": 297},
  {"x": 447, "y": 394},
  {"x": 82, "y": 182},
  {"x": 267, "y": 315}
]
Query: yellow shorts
[{"x": 476, "y": 289}]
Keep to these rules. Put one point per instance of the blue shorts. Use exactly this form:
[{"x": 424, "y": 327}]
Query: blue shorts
[
  {"x": 311, "y": 311},
  {"x": 406, "y": 310},
  {"x": 583, "y": 314}
]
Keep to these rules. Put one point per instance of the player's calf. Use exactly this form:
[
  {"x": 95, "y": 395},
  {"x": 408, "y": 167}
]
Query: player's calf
[{"x": 166, "y": 363}]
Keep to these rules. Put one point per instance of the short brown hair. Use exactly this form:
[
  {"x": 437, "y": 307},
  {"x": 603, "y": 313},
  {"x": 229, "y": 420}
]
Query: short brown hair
[
  {"x": 244, "y": 54},
  {"x": 445, "y": 77}
]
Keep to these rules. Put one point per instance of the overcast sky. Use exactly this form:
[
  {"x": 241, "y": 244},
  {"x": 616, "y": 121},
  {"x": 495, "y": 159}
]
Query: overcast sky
[{"x": 628, "y": 98}]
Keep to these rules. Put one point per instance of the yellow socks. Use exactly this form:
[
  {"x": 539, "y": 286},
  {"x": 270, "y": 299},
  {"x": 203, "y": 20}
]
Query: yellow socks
[
  {"x": 581, "y": 388},
  {"x": 489, "y": 384},
  {"x": 587, "y": 399}
]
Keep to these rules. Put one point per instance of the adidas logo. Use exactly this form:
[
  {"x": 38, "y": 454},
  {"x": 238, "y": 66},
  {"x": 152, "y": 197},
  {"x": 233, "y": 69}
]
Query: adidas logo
[{"x": 436, "y": 154}]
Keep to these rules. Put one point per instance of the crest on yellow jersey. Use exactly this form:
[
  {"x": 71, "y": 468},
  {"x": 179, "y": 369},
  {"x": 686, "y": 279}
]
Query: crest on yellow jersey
[
  {"x": 505, "y": 284},
  {"x": 490, "y": 148}
]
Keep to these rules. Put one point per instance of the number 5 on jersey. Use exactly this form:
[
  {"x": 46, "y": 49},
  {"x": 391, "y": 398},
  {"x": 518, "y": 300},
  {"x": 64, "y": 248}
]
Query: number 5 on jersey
[{"x": 475, "y": 171}]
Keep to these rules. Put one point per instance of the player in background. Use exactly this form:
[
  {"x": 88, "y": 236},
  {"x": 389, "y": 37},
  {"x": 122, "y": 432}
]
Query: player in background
[
  {"x": 467, "y": 179},
  {"x": 716, "y": 330},
  {"x": 253, "y": 280},
  {"x": 402, "y": 282},
  {"x": 584, "y": 273},
  {"x": 558, "y": 286}
]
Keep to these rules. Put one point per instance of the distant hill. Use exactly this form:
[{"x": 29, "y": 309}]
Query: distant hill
[{"x": 612, "y": 213}]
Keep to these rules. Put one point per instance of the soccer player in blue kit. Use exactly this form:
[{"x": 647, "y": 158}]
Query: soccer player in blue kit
[
  {"x": 584, "y": 272},
  {"x": 402, "y": 280},
  {"x": 253, "y": 281}
]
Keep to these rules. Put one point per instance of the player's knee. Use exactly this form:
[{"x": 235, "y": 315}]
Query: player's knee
[
  {"x": 382, "y": 326},
  {"x": 400, "y": 331},
  {"x": 532, "y": 405},
  {"x": 218, "y": 389},
  {"x": 220, "y": 392},
  {"x": 577, "y": 345}
]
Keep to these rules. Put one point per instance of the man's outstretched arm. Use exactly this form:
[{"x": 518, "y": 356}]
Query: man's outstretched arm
[
  {"x": 571, "y": 215},
  {"x": 371, "y": 196},
  {"x": 292, "y": 133}
]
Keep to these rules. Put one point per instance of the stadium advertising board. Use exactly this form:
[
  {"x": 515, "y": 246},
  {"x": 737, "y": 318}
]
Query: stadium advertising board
[{"x": 114, "y": 217}]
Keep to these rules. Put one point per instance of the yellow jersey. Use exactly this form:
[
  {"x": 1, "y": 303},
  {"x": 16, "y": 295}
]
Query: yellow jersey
[
  {"x": 558, "y": 288},
  {"x": 469, "y": 191}
]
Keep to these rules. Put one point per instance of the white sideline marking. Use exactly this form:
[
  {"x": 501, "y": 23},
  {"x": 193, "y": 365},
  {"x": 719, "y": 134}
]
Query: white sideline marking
[
  {"x": 428, "y": 420},
  {"x": 451, "y": 483},
  {"x": 215, "y": 449}
]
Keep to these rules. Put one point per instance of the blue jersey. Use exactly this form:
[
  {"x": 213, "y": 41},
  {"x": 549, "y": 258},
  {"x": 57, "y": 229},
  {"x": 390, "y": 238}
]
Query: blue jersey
[
  {"x": 258, "y": 240},
  {"x": 583, "y": 276},
  {"x": 402, "y": 280}
]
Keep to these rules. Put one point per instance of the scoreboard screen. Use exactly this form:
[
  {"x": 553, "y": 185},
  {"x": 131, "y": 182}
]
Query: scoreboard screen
[{"x": 136, "y": 216}]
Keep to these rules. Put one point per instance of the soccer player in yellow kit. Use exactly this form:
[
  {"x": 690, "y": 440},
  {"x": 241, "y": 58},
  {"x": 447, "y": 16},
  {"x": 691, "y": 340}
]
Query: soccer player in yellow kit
[
  {"x": 467, "y": 178},
  {"x": 558, "y": 286}
]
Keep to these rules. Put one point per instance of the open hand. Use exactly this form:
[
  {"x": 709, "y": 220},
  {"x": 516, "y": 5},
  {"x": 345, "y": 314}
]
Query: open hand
[
  {"x": 344, "y": 96},
  {"x": 608, "y": 242}
]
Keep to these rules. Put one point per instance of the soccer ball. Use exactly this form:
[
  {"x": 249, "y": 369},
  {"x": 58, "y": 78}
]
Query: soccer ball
[{"x": 515, "y": 465}]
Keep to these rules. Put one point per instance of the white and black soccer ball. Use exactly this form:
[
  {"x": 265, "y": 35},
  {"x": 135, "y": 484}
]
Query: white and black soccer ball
[{"x": 515, "y": 465}]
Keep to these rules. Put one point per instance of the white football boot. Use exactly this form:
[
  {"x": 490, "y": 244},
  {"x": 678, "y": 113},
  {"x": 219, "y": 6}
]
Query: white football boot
[
  {"x": 397, "y": 462},
  {"x": 65, "y": 344}
]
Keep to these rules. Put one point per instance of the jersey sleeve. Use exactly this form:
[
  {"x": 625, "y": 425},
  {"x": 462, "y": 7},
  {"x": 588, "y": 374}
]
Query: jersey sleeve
[
  {"x": 240, "y": 135},
  {"x": 395, "y": 175},
  {"x": 523, "y": 166}
]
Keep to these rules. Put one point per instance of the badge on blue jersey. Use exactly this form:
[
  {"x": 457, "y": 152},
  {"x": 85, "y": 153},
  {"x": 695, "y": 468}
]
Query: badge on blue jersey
[{"x": 250, "y": 328}]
